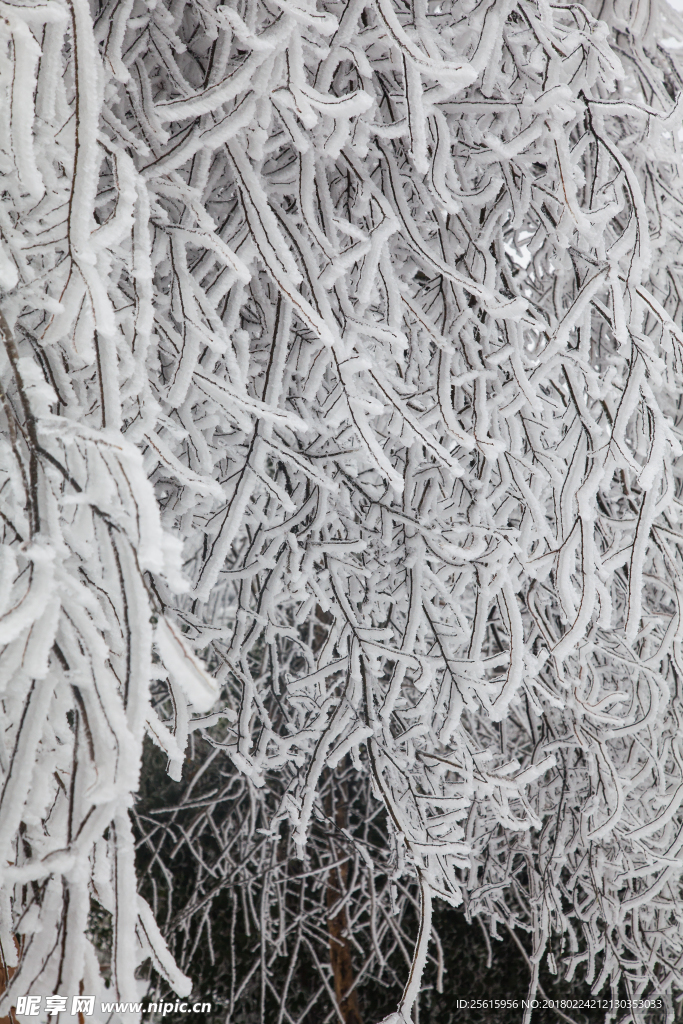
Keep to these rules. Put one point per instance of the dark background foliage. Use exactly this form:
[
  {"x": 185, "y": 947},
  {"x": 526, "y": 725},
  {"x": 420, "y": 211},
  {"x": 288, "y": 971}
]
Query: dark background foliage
[{"x": 215, "y": 938}]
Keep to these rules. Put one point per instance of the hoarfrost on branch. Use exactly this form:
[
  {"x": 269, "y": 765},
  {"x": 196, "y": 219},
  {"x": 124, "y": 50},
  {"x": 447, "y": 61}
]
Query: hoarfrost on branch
[{"x": 341, "y": 378}]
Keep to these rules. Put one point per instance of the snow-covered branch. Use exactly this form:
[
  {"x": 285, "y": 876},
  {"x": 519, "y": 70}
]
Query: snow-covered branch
[{"x": 341, "y": 374}]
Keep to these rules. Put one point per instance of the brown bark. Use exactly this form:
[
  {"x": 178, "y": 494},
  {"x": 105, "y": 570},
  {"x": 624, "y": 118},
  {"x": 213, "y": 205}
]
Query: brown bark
[
  {"x": 337, "y": 924},
  {"x": 6, "y": 974},
  {"x": 342, "y": 967},
  {"x": 337, "y": 927}
]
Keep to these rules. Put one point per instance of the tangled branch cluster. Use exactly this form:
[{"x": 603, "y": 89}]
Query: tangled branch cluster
[{"x": 367, "y": 314}]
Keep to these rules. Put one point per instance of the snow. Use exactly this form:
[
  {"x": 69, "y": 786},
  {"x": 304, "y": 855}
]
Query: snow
[{"x": 340, "y": 375}]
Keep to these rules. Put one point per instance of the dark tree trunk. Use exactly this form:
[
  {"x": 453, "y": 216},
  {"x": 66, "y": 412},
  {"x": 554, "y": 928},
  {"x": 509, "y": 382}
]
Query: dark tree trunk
[{"x": 337, "y": 924}]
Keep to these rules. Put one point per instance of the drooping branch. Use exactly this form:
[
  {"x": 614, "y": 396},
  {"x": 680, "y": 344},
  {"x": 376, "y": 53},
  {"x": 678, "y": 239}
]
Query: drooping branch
[{"x": 340, "y": 402}]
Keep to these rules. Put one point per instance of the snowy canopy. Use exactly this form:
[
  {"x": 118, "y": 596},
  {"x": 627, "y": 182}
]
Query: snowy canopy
[{"x": 341, "y": 380}]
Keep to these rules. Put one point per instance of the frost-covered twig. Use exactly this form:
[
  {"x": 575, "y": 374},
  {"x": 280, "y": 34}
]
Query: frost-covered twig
[{"x": 369, "y": 313}]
